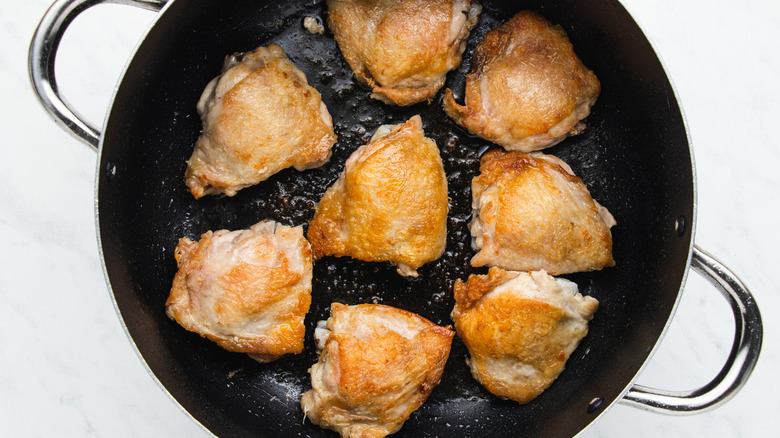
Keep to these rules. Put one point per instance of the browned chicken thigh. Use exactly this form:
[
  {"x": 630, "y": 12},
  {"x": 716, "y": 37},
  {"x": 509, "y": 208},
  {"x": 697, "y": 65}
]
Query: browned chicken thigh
[
  {"x": 259, "y": 116},
  {"x": 520, "y": 329},
  {"x": 527, "y": 89},
  {"x": 389, "y": 204},
  {"x": 532, "y": 213},
  {"x": 402, "y": 49},
  {"x": 246, "y": 290},
  {"x": 378, "y": 365}
]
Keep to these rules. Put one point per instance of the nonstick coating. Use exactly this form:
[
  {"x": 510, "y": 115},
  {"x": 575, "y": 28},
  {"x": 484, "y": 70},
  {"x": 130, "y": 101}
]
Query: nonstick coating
[{"x": 634, "y": 157}]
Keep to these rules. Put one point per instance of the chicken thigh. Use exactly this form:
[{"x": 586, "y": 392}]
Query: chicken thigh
[
  {"x": 520, "y": 329},
  {"x": 402, "y": 49},
  {"x": 532, "y": 213},
  {"x": 246, "y": 290},
  {"x": 527, "y": 89},
  {"x": 378, "y": 364},
  {"x": 389, "y": 204},
  {"x": 259, "y": 116}
]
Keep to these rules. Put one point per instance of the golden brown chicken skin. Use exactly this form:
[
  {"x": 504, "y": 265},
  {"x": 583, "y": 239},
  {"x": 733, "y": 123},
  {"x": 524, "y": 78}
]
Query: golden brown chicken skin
[
  {"x": 531, "y": 213},
  {"x": 402, "y": 49},
  {"x": 246, "y": 290},
  {"x": 389, "y": 204},
  {"x": 259, "y": 116},
  {"x": 378, "y": 364},
  {"x": 527, "y": 89},
  {"x": 520, "y": 329}
]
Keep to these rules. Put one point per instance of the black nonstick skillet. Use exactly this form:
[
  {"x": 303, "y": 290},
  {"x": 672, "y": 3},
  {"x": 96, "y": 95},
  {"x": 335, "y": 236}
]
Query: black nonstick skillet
[{"x": 634, "y": 157}]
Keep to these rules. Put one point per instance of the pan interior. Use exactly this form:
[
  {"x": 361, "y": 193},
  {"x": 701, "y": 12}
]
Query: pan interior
[{"x": 633, "y": 156}]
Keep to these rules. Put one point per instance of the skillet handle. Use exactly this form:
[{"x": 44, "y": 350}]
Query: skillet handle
[
  {"x": 740, "y": 363},
  {"x": 43, "y": 52}
]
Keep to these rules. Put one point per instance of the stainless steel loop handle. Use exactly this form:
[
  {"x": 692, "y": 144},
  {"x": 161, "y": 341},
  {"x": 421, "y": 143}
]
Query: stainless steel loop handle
[
  {"x": 42, "y": 55},
  {"x": 740, "y": 363}
]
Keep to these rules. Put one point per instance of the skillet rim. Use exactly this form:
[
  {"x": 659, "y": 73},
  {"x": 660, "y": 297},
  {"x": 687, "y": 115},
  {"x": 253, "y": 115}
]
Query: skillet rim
[{"x": 102, "y": 167}]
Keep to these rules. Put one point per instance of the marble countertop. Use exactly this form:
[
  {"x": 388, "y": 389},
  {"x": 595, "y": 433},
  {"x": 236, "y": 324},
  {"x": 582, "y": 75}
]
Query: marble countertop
[{"x": 67, "y": 368}]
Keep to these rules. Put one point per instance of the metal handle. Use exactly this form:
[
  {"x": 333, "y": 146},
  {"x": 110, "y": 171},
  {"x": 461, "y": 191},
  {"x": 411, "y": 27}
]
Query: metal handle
[
  {"x": 740, "y": 363},
  {"x": 43, "y": 51}
]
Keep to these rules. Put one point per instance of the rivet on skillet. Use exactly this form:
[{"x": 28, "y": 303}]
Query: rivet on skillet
[
  {"x": 110, "y": 171},
  {"x": 679, "y": 226},
  {"x": 595, "y": 404}
]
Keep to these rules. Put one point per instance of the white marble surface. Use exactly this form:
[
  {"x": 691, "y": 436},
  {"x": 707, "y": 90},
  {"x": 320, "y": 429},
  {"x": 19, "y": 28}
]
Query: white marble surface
[{"x": 68, "y": 370}]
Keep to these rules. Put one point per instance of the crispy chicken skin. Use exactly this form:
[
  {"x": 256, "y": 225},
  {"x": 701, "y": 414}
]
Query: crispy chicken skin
[
  {"x": 532, "y": 213},
  {"x": 246, "y": 290},
  {"x": 389, "y": 204},
  {"x": 259, "y": 116},
  {"x": 520, "y": 329},
  {"x": 378, "y": 364},
  {"x": 527, "y": 89},
  {"x": 402, "y": 49}
]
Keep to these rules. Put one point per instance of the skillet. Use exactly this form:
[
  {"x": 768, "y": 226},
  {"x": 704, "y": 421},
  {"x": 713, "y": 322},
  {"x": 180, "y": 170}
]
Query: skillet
[{"x": 634, "y": 157}]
